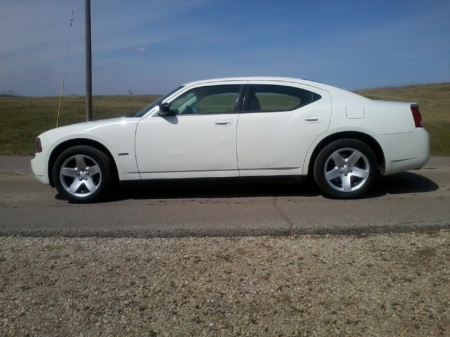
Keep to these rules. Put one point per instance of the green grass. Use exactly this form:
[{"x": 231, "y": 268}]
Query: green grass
[{"x": 24, "y": 118}]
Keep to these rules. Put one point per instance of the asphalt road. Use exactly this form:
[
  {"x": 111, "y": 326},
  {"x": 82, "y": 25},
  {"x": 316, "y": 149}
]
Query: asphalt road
[{"x": 416, "y": 200}]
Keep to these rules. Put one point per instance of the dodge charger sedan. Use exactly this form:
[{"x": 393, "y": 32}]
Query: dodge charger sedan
[{"x": 236, "y": 128}]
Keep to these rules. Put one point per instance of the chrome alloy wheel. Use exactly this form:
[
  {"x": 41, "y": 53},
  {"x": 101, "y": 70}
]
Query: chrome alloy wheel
[
  {"x": 346, "y": 170},
  {"x": 80, "y": 175}
]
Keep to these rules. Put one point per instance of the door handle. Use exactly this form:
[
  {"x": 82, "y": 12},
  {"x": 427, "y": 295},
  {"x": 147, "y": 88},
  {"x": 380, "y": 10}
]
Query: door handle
[
  {"x": 316, "y": 119},
  {"x": 223, "y": 122}
]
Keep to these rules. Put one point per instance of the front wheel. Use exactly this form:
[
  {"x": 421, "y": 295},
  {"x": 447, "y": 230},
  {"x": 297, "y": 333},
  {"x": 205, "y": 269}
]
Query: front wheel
[
  {"x": 345, "y": 169},
  {"x": 83, "y": 174}
]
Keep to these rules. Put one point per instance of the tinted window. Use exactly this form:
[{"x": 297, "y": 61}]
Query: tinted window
[
  {"x": 268, "y": 98},
  {"x": 207, "y": 100}
]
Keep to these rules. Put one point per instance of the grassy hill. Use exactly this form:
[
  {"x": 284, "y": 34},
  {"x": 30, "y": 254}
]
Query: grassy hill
[
  {"x": 434, "y": 103},
  {"x": 23, "y": 118}
]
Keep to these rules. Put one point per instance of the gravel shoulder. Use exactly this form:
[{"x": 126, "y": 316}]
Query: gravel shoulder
[{"x": 375, "y": 285}]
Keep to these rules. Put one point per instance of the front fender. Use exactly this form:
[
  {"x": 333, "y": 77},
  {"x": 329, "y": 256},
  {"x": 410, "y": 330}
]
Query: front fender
[{"x": 117, "y": 136}]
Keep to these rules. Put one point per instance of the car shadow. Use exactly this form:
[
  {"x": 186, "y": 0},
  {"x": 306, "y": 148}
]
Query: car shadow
[
  {"x": 400, "y": 183},
  {"x": 216, "y": 189}
]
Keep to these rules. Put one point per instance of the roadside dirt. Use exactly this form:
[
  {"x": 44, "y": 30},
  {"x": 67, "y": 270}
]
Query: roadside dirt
[{"x": 375, "y": 285}]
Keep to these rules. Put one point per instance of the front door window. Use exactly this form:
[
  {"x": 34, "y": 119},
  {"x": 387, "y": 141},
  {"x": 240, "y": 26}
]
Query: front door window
[{"x": 218, "y": 99}]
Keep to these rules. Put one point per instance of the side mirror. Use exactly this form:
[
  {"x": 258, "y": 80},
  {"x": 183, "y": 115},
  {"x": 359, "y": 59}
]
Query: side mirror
[{"x": 164, "y": 110}]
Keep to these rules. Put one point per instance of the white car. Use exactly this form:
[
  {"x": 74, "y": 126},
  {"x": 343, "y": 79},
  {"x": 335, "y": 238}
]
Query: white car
[{"x": 238, "y": 127}]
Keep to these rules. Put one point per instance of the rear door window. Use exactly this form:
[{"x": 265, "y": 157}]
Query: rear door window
[{"x": 271, "y": 98}]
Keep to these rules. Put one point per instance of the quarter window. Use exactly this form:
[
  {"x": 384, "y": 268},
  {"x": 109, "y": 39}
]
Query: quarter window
[{"x": 270, "y": 98}]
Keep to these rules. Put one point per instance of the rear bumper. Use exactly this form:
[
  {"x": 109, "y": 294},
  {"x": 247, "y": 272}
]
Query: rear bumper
[{"x": 406, "y": 151}]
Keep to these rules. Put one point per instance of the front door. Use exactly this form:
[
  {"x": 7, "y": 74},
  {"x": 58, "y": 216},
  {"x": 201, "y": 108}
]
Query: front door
[{"x": 197, "y": 140}]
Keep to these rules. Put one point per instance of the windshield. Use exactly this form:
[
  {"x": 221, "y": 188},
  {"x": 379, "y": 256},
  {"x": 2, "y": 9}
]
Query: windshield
[{"x": 155, "y": 103}]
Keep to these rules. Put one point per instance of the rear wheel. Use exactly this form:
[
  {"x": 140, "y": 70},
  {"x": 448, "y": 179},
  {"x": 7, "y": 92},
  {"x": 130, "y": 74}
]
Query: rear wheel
[
  {"x": 345, "y": 169},
  {"x": 83, "y": 174}
]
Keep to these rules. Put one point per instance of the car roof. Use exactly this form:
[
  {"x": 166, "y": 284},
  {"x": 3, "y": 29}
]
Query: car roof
[
  {"x": 249, "y": 78},
  {"x": 331, "y": 89}
]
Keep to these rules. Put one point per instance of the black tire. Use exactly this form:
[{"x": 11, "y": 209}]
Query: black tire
[
  {"x": 345, "y": 169},
  {"x": 83, "y": 174}
]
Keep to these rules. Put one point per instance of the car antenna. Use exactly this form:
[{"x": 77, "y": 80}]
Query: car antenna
[{"x": 65, "y": 67}]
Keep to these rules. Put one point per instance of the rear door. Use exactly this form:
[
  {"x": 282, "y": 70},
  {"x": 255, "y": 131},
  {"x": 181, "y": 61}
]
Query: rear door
[{"x": 279, "y": 122}]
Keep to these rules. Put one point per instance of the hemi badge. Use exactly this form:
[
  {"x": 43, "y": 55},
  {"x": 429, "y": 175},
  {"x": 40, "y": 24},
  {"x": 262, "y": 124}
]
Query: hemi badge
[{"x": 123, "y": 154}]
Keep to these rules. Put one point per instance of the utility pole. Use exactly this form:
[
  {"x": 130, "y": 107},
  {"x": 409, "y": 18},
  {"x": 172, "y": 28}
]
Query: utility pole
[{"x": 87, "y": 6}]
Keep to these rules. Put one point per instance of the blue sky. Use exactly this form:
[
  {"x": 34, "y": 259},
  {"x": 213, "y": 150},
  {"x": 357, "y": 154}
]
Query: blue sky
[{"x": 149, "y": 47}]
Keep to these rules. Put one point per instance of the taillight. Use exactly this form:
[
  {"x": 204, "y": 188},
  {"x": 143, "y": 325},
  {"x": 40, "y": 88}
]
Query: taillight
[
  {"x": 416, "y": 115},
  {"x": 38, "y": 145}
]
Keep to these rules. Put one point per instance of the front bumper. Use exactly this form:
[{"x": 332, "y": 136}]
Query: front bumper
[
  {"x": 39, "y": 167},
  {"x": 39, "y": 164}
]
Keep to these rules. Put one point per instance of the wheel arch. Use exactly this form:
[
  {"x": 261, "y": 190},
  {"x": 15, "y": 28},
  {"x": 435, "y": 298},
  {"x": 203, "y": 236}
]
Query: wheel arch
[
  {"x": 363, "y": 137},
  {"x": 60, "y": 148}
]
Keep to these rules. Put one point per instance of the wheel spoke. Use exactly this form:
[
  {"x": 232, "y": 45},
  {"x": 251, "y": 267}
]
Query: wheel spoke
[
  {"x": 357, "y": 172},
  {"x": 93, "y": 170},
  {"x": 333, "y": 174},
  {"x": 354, "y": 157},
  {"x": 81, "y": 164},
  {"x": 74, "y": 186},
  {"x": 69, "y": 172},
  {"x": 90, "y": 185},
  {"x": 346, "y": 183},
  {"x": 337, "y": 158}
]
